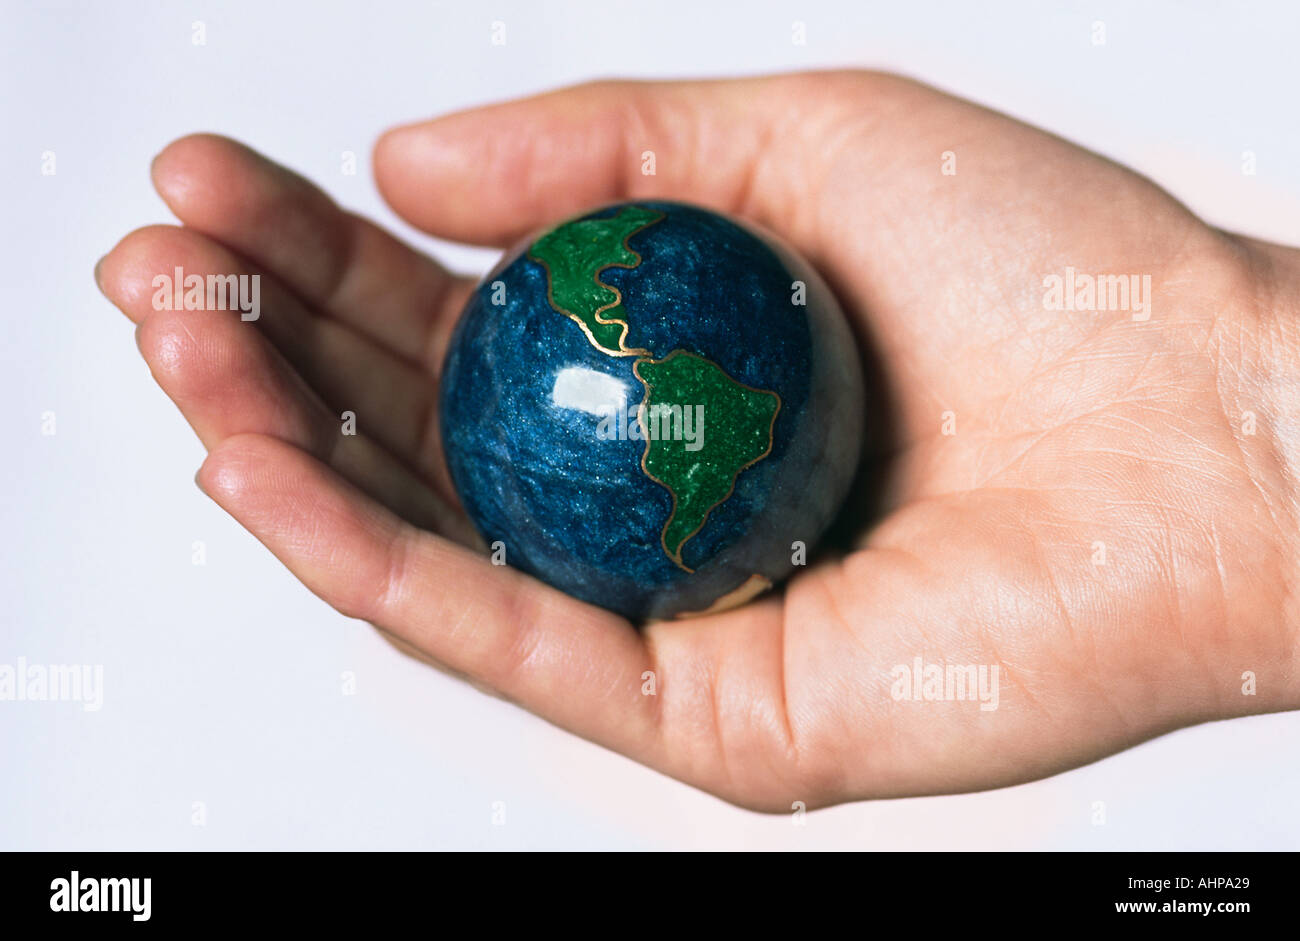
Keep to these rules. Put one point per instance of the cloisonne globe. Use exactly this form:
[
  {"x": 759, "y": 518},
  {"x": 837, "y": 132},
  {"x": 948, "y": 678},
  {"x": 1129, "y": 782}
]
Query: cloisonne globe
[{"x": 654, "y": 408}]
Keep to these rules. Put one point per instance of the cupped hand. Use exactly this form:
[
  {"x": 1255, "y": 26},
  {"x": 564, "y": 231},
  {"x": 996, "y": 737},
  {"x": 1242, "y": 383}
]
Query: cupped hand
[{"x": 1098, "y": 505}]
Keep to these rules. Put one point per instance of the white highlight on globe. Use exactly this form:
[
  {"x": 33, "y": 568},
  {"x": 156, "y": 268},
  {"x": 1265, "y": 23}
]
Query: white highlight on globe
[{"x": 588, "y": 390}]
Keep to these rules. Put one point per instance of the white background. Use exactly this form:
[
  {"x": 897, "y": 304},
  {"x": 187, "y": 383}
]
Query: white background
[{"x": 223, "y": 682}]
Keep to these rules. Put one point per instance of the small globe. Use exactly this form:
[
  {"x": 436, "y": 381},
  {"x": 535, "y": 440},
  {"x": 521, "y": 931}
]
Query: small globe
[{"x": 652, "y": 407}]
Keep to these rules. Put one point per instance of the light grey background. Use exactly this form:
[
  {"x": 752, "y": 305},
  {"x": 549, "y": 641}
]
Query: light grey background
[{"x": 223, "y": 682}]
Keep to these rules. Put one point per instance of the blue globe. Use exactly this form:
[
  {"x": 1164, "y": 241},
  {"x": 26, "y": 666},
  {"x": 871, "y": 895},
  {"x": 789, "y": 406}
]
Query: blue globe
[{"x": 652, "y": 407}]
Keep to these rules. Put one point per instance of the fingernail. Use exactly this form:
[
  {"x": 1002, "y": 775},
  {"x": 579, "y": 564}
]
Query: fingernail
[{"x": 98, "y": 273}]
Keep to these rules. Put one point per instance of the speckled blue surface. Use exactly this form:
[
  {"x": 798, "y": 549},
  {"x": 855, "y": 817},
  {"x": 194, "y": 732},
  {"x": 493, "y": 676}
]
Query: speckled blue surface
[{"x": 577, "y": 511}]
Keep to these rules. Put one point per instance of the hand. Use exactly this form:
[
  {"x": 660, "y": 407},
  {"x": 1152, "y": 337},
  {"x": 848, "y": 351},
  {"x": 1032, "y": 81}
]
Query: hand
[{"x": 1111, "y": 520}]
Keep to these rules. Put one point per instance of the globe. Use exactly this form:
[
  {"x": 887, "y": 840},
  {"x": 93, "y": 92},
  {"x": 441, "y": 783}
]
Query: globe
[{"x": 653, "y": 407}]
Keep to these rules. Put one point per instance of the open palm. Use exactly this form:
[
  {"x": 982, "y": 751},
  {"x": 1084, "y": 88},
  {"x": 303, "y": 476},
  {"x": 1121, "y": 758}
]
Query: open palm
[{"x": 1099, "y": 504}]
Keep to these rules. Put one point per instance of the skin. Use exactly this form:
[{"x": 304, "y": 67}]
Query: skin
[{"x": 1072, "y": 428}]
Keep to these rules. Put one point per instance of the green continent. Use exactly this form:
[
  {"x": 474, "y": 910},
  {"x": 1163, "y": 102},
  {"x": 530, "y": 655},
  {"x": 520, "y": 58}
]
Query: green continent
[
  {"x": 574, "y": 254},
  {"x": 702, "y": 429}
]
